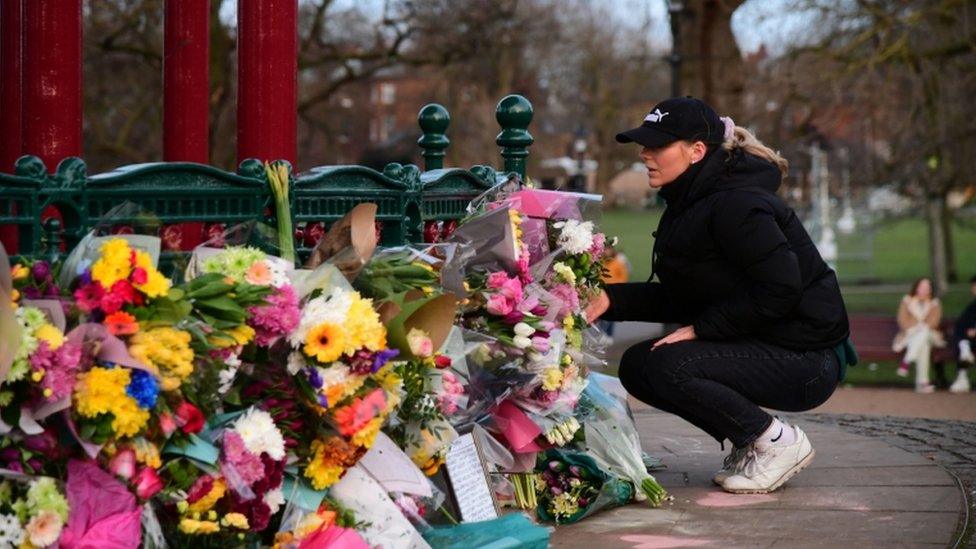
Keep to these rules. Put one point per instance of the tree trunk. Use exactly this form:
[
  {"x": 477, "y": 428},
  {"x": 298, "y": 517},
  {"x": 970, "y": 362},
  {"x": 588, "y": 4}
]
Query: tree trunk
[
  {"x": 952, "y": 273},
  {"x": 935, "y": 214},
  {"x": 712, "y": 67}
]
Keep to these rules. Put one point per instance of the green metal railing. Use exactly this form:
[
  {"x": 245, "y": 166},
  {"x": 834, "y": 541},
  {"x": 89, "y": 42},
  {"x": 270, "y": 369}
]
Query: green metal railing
[{"x": 179, "y": 192}]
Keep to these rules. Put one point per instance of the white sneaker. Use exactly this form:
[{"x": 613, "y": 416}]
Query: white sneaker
[
  {"x": 731, "y": 464},
  {"x": 961, "y": 384},
  {"x": 925, "y": 388},
  {"x": 764, "y": 470}
]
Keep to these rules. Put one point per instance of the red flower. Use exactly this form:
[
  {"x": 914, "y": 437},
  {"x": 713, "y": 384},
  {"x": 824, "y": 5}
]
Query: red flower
[
  {"x": 139, "y": 275},
  {"x": 147, "y": 483},
  {"x": 121, "y": 323},
  {"x": 89, "y": 297},
  {"x": 442, "y": 361},
  {"x": 200, "y": 488},
  {"x": 189, "y": 418}
]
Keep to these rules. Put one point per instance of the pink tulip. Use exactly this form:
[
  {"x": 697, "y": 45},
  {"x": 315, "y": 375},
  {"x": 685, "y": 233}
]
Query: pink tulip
[
  {"x": 123, "y": 464},
  {"x": 540, "y": 344},
  {"x": 147, "y": 483},
  {"x": 167, "y": 424}
]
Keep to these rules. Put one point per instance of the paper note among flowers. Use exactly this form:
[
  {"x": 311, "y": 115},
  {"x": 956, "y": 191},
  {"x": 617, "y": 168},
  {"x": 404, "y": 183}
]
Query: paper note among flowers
[{"x": 469, "y": 482}]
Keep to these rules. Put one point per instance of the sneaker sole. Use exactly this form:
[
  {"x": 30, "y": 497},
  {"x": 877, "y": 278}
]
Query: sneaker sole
[{"x": 781, "y": 480}]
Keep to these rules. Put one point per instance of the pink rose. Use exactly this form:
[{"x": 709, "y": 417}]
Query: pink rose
[
  {"x": 147, "y": 483},
  {"x": 498, "y": 305},
  {"x": 495, "y": 280},
  {"x": 512, "y": 289},
  {"x": 420, "y": 343},
  {"x": 123, "y": 464}
]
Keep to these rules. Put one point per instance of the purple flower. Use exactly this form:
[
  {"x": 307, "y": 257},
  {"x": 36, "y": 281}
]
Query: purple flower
[
  {"x": 41, "y": 271},
  {"x": 32, "y": 293},
  {"x": 314, "y": 378},
  {"x": 383, "y": 357}
]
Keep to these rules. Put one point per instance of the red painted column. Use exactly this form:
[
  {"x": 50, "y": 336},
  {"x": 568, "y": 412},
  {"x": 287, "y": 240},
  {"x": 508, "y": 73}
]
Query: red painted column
[
  {"x": 10, "y": 84},
  {"x": 267, "y": 82},
  {"x": 186, "y": 86},
  {"x": 52, "y": 80},
  {"x": 10, "y": 102}
]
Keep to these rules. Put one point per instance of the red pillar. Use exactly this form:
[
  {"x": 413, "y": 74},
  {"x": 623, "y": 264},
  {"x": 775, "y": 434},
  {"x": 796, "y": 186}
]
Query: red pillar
[
  {"x": 10, "y": 82},
  {"x": 52, "y": 80},
  {"x": 10, "y": 102},
  {"x": 267, "y": 85},
  {"x": 186, "y": 87}
]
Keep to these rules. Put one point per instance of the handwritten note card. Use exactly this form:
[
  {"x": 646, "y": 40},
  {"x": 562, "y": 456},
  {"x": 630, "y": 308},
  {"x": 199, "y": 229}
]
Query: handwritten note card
[{"x": 469, "y": 482}]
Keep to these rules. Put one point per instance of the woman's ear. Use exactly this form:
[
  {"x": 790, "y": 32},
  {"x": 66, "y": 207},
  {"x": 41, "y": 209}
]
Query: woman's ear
[{"x": 698, "y": 150}]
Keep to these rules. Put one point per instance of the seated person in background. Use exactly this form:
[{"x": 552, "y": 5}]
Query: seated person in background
[
  {"x": 964, "y": 343},
  {"x": 919, "y": 316}
]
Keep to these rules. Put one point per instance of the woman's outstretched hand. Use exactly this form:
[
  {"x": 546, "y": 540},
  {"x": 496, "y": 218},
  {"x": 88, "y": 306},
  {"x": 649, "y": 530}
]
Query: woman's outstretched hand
[
  {"x": 684, "y": 333},
  {"x": 598, "y": 305}
]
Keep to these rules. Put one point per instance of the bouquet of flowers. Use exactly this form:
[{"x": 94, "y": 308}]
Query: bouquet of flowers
[
  {"x": 232, "y": 487},
  {"x": 571, "y": 486},
  {"x": 340, "y": 361}
]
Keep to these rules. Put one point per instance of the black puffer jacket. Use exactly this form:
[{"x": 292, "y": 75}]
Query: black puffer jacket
[{"x": 735, "y": 262}]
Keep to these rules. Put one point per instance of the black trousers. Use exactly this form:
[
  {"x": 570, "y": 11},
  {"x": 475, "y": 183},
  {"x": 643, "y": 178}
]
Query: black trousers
[{"x": 720, "y": 386}]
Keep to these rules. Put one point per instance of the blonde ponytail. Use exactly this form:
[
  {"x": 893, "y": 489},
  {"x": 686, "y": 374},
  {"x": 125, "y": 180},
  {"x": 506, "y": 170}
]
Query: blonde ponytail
[{"x": 743, "y": 139}]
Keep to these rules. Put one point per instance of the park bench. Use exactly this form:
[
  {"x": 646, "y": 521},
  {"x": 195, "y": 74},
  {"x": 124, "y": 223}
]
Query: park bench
[{"x": 872, "y": 336}]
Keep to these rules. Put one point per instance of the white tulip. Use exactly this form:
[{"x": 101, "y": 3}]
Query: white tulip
[{"x": 524, "y": 330}]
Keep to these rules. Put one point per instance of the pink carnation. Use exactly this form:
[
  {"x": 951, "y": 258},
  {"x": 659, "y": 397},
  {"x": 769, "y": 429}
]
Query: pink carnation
[
  {"x": 496, "y": 279},
  {"x": 599, "y": 243},
  {"x": 568, "y": 298},
  {"x": 276, "y": 319},
  {"x": 236, "y": 457},
  {"x": 60, "y": 368},
  {"x": 499, "y": 305}
]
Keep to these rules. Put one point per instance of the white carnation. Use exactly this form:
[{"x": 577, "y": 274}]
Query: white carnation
[
  {"x": 274, "y": 499},
  {"x": 260, "y": 434},
  {"x": 296, "y": 362},
  {"x": 575, "y": 237}
]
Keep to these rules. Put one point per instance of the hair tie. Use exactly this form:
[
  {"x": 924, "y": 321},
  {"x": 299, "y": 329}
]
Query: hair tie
[{"x": 729, "y": 128}]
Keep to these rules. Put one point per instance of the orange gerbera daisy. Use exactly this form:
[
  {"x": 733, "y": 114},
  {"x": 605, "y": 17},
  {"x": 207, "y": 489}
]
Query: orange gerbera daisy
[
  {"x": 325, "y": 342},
  {"x": 121, "y": 323}
]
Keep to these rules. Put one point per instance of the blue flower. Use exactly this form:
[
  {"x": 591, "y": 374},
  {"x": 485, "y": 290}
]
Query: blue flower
[{"x": 144, "y": 388}]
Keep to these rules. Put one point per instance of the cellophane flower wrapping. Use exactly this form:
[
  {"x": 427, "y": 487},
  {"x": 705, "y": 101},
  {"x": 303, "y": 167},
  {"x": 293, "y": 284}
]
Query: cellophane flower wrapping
[{"x": 572, "y": 486}]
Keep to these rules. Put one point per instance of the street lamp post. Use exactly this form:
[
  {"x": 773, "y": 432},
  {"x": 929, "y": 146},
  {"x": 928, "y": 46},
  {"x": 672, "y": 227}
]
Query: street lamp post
[
  {"x": 675, "y": 9},
  {"x": 579, "y": 148}
]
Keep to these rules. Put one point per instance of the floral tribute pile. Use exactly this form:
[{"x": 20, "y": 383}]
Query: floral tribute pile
[{"x": 228, "y": 404}]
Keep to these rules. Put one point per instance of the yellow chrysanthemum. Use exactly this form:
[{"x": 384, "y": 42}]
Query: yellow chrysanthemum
[
  {"x": 205, "y": 503},
  {"x": 53, "y": 336},
  {"x": 235, "y": 520},
  {"x": 168, "y": 351},
  {"x": 113, "y": 264},
  {"x": 552, "y": 379},
  {"x": 156, "y": 284},
  {"x": 321, "y": 473},
  {"x": 363, "y": 327},
  {"x": 242, "y": 334},
  {"x": 102, "y": 391},
  {"x": 325, "y": 342},
  {"x": 191, "y": 526},
  {"x": 364, "y": 437}
]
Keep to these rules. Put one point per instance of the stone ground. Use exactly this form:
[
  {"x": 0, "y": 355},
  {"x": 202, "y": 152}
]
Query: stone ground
[{"x": 879, "y": 480}]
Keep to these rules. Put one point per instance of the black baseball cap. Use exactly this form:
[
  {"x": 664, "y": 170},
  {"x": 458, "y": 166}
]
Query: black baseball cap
[{"x": 679, "y": 118}]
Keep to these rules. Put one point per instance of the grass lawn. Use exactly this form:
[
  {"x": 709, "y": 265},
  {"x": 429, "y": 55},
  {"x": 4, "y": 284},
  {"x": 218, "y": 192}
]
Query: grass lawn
[{"x": 878, "y": 374}]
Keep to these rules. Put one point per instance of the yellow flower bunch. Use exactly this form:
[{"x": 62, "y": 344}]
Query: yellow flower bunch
[
  {"x": 102, "y": 391},
  {"x": 192, "y": 526},
  {"x": 323, "y": 470},
  {"x": 114, "y": 263},
  {"x": 365, "y": 437},
  {"x": 168, "y": 351},
  {"x": 363, "y": 327},
  {"x": 235, "y": 520}
]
